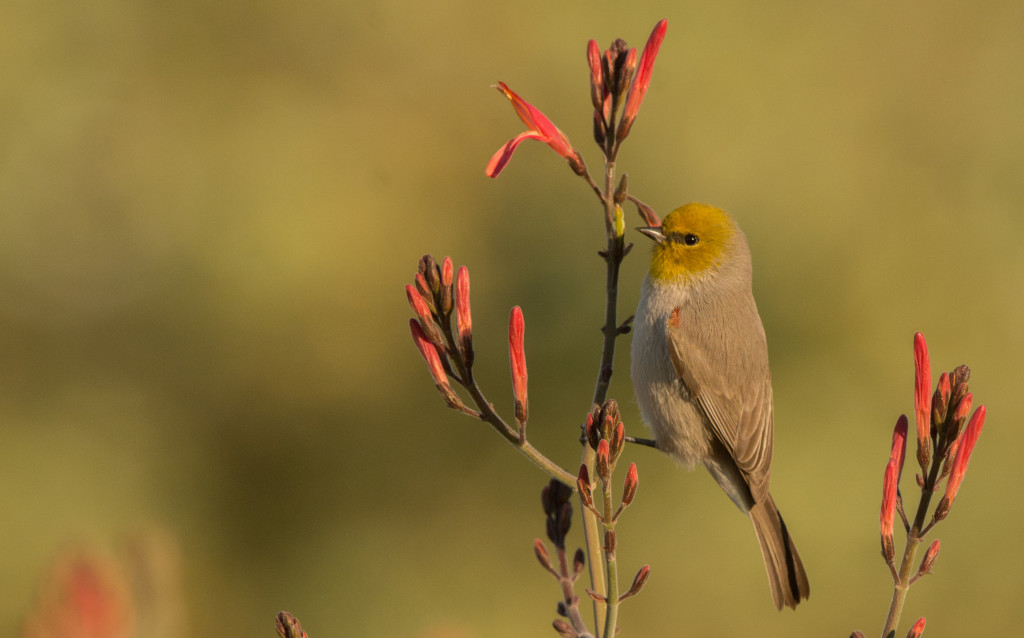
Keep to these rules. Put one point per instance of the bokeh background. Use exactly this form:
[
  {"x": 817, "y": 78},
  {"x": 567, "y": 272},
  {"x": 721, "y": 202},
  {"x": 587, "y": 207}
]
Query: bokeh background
[{"x": 208, "y": 212}]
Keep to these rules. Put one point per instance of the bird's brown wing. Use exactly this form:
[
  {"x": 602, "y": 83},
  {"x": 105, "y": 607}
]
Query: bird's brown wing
[{"x": 726, "y": 372}]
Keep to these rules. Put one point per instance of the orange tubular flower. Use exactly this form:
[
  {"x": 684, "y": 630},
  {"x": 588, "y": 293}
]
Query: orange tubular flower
[{"x": 540, "y": 129}]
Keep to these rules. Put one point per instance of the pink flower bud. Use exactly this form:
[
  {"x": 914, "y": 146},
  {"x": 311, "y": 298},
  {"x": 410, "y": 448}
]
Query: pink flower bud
[
  {"x": 899, "y": 444},
  {"x": 929, "y": 558},
  {"x": 643, "y": 78},
  {"x": 922, "y": 399},
  {"x": 917, "y": 629},
  {"x": 962, "y": 458},
  {"x": 426, "y": 319},
  {"x": 429, "y": 353},
  {"x": 597, "y": 89},
  {"x": 517, "y": 357},
  {"x": 463, "y": 316},
  {"x": 446, "y": 286},
  {"x": 890, "y": 485}
]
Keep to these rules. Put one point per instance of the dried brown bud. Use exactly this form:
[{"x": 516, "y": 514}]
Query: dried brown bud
[
  {"x": 578, "y": 561},
  {"x": 430, "y": 272},
  {"x": 288, "y": 626},
  {"x": 620, "y": 191},
  {"x": 583, "y": 485},
  {"x": 638, "y": 582},
  {"x": 564, "y": 629}
]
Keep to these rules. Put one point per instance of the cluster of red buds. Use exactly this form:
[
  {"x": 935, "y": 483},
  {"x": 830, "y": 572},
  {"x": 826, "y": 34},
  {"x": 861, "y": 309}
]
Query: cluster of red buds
[
  {"x": 288, "y": 626},
  {"x": 617, "y": 77},
  {"x": 945, "y": 440},
  {"x": 443, "y": 332}
]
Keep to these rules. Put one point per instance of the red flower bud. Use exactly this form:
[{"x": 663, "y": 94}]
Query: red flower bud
[
  {"x": 929, "y": 558},
  {"x": 963, "y": 456},
  {"x": 922, "y": 399},
  {"x": 429, "y": 353},
  {"x": 890, "y": 485},
  {"x": 899, "y": 444},
  {"x": 462, "y": 314},
  {"x": 917, "y": 629},
  {"x": 597, "y": 89},
  {"x": 426, "y": 319},
  {"x": 517, "y": 357},
  {"x": 643, "y": 78},
  {"x": 629, "y": 489},
  {"x": 446, "y": 285}
]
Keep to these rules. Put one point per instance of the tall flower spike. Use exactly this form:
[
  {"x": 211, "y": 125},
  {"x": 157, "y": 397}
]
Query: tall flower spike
[
  {"x": 517, "y": 358},
  {"x": 540, "y": 129},
  {"x": 963, "y": 456},
  {"x": 643, "y": 78},
  {"x": 462, "y": 314},
  {"x": 922, "y": 400}
]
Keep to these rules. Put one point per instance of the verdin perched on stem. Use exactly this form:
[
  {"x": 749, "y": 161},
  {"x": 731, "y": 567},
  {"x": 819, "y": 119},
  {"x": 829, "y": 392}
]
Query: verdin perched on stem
[{"x": 700, "y": 372}]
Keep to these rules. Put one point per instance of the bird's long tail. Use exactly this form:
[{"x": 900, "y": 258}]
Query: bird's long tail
[{"x": 786, "y": 575}]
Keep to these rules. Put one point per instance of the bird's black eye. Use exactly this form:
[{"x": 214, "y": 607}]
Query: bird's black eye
[{"x": 690, "y": 239}]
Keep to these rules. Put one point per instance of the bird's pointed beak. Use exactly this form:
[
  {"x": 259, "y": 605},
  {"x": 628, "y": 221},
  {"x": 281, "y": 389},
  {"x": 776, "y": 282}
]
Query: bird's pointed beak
[{"x": 654, "y": 232}]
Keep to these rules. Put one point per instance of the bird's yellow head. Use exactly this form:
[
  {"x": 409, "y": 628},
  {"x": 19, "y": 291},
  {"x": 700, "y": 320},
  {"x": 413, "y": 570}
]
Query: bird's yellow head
[{"x": 690, "y": 241}]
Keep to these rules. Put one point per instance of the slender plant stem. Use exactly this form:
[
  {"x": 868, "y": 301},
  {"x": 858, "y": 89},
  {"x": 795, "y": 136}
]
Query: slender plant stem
[
  {"x": 572, "y": 607},
  {"x": 612, "y": 610},
  {"x": 488, "y": 415},
  {"x": 914, "y": 537},
  {"x": 613, "y": 257}
]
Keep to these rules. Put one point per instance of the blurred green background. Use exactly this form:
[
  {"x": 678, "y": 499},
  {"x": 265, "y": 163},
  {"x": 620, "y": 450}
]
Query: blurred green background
[{"x": 208, "y": 212}]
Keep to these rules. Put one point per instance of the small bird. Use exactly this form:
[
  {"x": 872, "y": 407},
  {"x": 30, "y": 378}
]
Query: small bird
[{"x": 700, "y": 373}]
